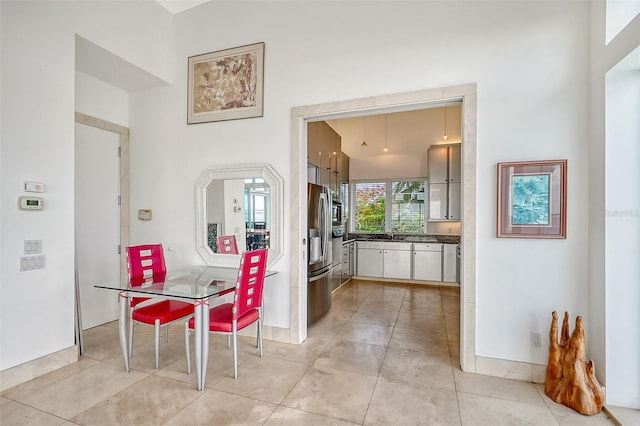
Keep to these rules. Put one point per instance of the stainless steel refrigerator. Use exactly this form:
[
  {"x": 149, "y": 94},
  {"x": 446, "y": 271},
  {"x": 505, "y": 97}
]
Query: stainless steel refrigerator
[{"x": 318, "y": 252}]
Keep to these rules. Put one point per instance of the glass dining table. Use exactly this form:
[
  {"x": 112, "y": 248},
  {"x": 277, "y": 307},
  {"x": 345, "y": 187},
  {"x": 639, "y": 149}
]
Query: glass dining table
[{"x": 196, "y": 284}]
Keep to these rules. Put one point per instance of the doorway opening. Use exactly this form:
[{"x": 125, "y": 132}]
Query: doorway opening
[
  {"x": 467, "y": 94},
  {"x": 99, "y": 212}
]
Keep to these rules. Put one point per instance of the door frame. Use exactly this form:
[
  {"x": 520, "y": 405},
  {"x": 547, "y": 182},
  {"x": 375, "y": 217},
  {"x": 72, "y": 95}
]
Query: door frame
[
  {"x": 123, "y": 133},
  {"x": 379, "y": 105}
]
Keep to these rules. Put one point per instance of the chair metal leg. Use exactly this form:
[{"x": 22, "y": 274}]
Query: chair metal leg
[
  {"x": 235, "y": 350},
  {"x": 260, "y": 335},
  {"x": 157, "y": 342},
  {"x": 166, "y": 333},
  {"x": 186, "y": 346},
  {"x": 130, "y": 337}
]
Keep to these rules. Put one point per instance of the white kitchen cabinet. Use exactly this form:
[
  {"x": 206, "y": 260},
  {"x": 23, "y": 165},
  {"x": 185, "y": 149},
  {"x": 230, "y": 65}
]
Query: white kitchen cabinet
[
  {"x": 384, "y": 259},
  {"x": 370, "y": 262},
  {"x": 438, "y": 158},
  {"x": 427, "y": 262},
  {"x": 397, "y": 261},
  {"x": 455, "y": 163},
  {"x": 444, "y": 182},
  {"x": 450, "y": 263}
]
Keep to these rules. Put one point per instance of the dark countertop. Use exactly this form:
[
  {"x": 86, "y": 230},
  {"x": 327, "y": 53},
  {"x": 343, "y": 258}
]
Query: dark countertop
[{"x": 405, "y": 238}]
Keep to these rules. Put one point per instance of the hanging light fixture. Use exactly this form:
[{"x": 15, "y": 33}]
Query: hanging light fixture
[
  {"x": 385, "y": 133},
  {"x": 364, "y": 143},
  {"x": 445, "y": 137}
]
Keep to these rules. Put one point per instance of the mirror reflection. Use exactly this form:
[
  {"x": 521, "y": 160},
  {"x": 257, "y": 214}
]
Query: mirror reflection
[
  {"x": 242, "y": 215},
  {"x": 242, "y": 204}
]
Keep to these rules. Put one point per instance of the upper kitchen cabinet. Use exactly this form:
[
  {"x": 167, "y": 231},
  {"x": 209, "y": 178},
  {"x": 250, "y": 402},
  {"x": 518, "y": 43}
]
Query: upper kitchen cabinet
[
  {"x": 444, "y": 163},
  {"x": 324, "y": 146},
  {"x": 313, "y": 144},
  {"x": 344, "y": 168},
  {"x": 328, "y": 164}
]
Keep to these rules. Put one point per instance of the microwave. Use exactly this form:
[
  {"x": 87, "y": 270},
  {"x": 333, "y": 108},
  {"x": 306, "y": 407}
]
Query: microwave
[{"x": 336, "y": 213}]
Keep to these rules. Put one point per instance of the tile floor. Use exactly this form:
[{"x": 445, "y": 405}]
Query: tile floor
[{"x": 386, "y": 354}]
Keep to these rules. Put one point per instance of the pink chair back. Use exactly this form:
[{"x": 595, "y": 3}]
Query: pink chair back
[
  {"x": 145, "y": 263},
  {"x": 227, "y": 244},
  {"x": 248, "y": 296}
]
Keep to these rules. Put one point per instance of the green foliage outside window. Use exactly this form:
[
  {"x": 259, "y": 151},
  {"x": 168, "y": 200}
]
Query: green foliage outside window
[
  {"x": 406, "y": 212},
  {"x": 370, "y": 207}
]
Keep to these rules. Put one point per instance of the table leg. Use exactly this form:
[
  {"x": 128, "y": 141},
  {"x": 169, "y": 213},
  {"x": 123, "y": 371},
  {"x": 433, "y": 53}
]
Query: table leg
[
  {"x": 197, "y": 339},
  {"x": 205, "y": 340},
  {"x": 122, "y": 328}
]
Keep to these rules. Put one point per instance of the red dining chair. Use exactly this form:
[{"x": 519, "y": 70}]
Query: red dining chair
[
  {"x": 246, "y": 309},
  {"x": 227, "y": 244},
  {"x": 146, "y": 264}
]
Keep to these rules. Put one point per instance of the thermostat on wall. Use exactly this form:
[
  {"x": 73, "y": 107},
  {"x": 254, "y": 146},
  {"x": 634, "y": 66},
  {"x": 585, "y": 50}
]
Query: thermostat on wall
[{"x": 31, "y": 203}]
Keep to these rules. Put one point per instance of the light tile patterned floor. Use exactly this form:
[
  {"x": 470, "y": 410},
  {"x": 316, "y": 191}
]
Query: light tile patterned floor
[{"x": 386, "y": 354}]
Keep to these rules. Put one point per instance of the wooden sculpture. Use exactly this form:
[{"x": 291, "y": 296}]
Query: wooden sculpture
[{"x": 571, "y": 380}]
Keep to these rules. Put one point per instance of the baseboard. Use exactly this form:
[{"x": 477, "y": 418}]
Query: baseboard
[
  {"x": 407, "y": 281},
  {"x": 524, "y": 371},
  {"x": 30, "y": 370},
  {"x": 269, "y": 332}
]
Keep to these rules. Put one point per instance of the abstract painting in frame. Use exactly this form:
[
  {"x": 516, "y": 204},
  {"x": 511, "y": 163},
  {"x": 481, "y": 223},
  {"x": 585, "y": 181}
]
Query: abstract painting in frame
[
  {"x": 226, "y": 85},
  {"x": 532, "y": 200}
]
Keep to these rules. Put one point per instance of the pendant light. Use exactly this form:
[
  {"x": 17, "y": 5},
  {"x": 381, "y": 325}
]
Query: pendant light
[
  {"x": 445, "y": 137},
  {"x": 385, "y": 133},
  {"x": 364, "y": 143}
]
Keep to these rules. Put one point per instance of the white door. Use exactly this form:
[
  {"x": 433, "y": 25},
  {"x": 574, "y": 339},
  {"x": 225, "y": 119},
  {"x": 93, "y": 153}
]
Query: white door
[{"x": 97, "y": 222}]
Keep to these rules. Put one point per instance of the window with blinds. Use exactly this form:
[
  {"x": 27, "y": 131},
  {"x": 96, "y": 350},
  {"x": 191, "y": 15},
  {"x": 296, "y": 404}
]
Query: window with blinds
[
  {"x": 407, "y": 207},
  {"x": 390, "y": 206}
]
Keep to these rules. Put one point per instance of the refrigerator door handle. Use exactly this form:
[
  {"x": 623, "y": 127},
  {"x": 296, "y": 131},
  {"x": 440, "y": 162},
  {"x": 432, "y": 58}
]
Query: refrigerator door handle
[
  {"x": 319, "y": 276},
  {"x": 323, "y": 216}
]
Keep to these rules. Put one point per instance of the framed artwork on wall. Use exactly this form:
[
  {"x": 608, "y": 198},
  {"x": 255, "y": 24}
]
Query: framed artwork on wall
[
  {"x": 226, "y": 85},
  {"x": 532, "y": 200}
]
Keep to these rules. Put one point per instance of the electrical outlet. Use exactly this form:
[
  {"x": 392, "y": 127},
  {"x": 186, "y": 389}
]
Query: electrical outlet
[{"x": 536, "y": 340}]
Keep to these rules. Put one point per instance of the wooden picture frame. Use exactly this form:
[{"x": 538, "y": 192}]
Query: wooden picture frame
[
  {"x": 226, "y": 85},
  {"x": 532, "y": 199}
]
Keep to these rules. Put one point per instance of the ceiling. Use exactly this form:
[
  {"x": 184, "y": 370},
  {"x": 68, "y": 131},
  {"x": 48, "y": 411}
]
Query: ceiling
[
  {"x": 405, "y": 133},
  {"x": 177, "y": 6}
]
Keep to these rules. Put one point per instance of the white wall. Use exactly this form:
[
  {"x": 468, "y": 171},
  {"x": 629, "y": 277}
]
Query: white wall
[
  {"x": 98, "y": 99},
  {"x": 529, "y": 60},
  {"x": 37, "y": 131}
]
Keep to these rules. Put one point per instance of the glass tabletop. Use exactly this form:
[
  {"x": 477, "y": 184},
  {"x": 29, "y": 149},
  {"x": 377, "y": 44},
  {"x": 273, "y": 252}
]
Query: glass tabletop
[{"x": 195, "y": 282}]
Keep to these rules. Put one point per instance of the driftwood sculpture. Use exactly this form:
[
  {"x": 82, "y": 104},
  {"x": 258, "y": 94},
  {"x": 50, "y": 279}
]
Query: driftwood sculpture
[{"x": 571, "y": 380}]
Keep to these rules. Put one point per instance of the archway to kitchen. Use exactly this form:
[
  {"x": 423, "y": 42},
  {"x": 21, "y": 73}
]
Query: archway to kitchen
[{"x": 467, "y": 94}]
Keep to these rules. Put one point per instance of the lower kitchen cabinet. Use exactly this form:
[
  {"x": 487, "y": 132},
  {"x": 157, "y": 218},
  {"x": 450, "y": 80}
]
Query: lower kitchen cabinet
[
  {"x": 370, "y": 262},
  {"x": 384, "y": 260},
  {"x": 450, "y": 263},
  {"x": 427, "y": 262},
  {"x": 397, "y": 261},
  {"x": 406, "y": 261},
  {"x": 348, "y": 261}
]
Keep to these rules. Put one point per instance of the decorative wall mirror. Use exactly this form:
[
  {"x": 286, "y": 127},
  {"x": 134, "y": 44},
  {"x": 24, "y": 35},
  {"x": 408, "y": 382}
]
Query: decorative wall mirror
[{"x": 241, "y": 200}]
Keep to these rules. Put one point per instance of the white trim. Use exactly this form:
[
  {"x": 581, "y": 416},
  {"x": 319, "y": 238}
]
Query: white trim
[{"x": 408, "y": 101}]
